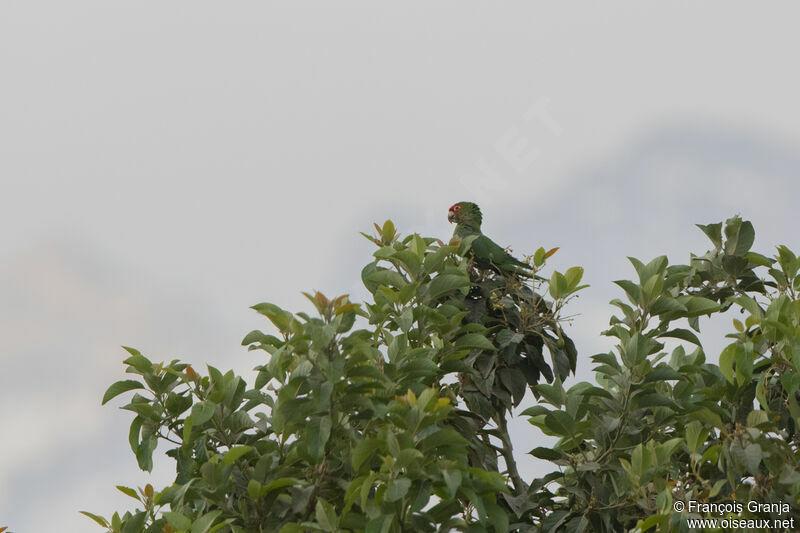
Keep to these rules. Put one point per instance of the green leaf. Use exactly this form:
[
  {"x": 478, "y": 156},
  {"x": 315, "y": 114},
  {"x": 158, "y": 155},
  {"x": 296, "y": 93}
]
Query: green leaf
[
  {"x": 409, "y": 260},
  {"x": 235, "y": 453},
  {"x": 788, "y": 261},
  {"x": 128, "y": 492},
  {"x": 497, "y": 516},
  {"x": 254, "y": 489},
  {"x": 188, "y": 424},
  {"x": 397, "y": 488},
  {"x": 663, "y": 372},
  {"x": 554, "y": 394},
  {"x": 697, "y": 306},
  {"x": 433, "y": 261},
  {"x": 452, "y": 479},
  {"x": 683, "y": 334},
  {"x": 406, "y": 319},
  {"x": 739, "y": 236},
  {"x": 560, "y": 423},
  {"x": 633, "y": 291},
  {"x": 135, "y": 524},
  {"x": 539, "y": 257},
  {"x": 389, "y": 278},
  {"x": 177, "y": 520},
  {"x": 717, "y": 487},
  {"x": 713, "y": 232},
  {"x": 757, "y": 417},
  {"x": 99, "y": 519},
  {"x": 548, "y": 454},
  {"x": 119, "y": 387},
  {"x": 388, "y": 232},
  {"x": 445, "y": 283},
  {"x": 535, "y": 410},
  {"x": 474, "y": 341},
  {"x": 202, "y": 412},
  {"x": 293, "y": 528},
  {"x": 573, "y": 276},
  {"x": 203, "y": 524},
  {"x": 362, "y": 451},
  {"x": 751, "y": 457},
  {"x": 275, "y": 314},
  {"x": 281, "y": 483},
  {"x": 384, "y": 252},
  {"x": 558, "y": 286},
  {"x": 505, "y": 337},
  {"x": 325, "y": 515},
  {"x": 137, "y": 360},
  {"x": 667, "y": 304},
  {"x": 317, "y": 435},
  {"x": 758, "y": 259}
]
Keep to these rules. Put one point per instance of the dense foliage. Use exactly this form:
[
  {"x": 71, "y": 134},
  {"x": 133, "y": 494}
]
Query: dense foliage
[{"x": 392, "y": 415}]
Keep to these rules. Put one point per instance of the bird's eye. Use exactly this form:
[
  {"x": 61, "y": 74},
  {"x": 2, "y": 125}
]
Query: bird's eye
[{"x": 457, "y": 208}]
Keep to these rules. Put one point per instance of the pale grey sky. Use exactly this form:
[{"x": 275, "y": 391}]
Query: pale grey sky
[{"x": 166, "y": 165}]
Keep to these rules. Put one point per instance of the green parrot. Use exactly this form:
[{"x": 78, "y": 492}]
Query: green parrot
[{"x": 486, "y": 252}]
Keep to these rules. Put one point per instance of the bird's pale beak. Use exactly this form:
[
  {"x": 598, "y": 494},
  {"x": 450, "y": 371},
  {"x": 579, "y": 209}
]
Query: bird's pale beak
[{"x": 451, "y": 216}]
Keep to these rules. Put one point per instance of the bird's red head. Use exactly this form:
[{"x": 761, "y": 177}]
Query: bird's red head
[{"x": 452, "y": 213}]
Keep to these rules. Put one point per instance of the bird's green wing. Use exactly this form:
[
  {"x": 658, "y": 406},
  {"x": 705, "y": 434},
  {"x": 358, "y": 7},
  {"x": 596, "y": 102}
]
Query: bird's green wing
[{"x": 488, "y": 251}]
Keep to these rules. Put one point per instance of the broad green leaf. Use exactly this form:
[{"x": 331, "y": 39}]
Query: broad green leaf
[
  {"x": 663, "y": 372},
  {"x": 452, "y": 479},
  {"x": 128, "y": 492},
  {"x": 752, "y": 457},
  {"x": 788, "y": 261},
  {"x": 397, "y": 488},
  {"x": 713, "y": 232},
  {"x": 739, "y": 236},
  {"x": 560, "y": 423},
  {"x": 697, "y": 306},
  {"x": 325, "y": 515},
  {"x": 317, "y": 435},
  {"x": 390, "y": 278},
  {"x": 135, "y": 524},
  {"x": 119, "y": 387},
  {"x": 547, "y": 454},
  {"x": 497, "y": 516},
  {"x": 275, "y": 314},
  {"x": 758, "y": 259},
  {"x": 362, "y": 451},
  {"x": 573, "y": 276},
  {"x": 202, "y": 412},
  {"x": 558, "y": 285},
  {"x": 235, "y": 453},
  {"x": 652, "y": 287},
  {"x": 756, "y": 418},
  {"x": 254, "y": 489},
  {"x": 384, "y": 252},
  {"x": 137, "y": 360},
  {"x": 406, "y": 319},
  {"x": 177, "y": 520},
  {"x": 506, "y": 336},
  {"x": 538, "y": 257},
  {"x": 445, "y": 283},
  {"x": 433, "y": 261},
  {"x": 99, "y": 519},
  {"x": 667, "y": 304},
  {"x": 633, "y": 291},
  {"x": 388, "y": 232},
  {"x": 204, "y": 523},
  {"x": 293, "y": 528},
  {"x": 683, "y": 334},
  {"x": 474, "y": 341},
  {"x": 281, "y": 483}
]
